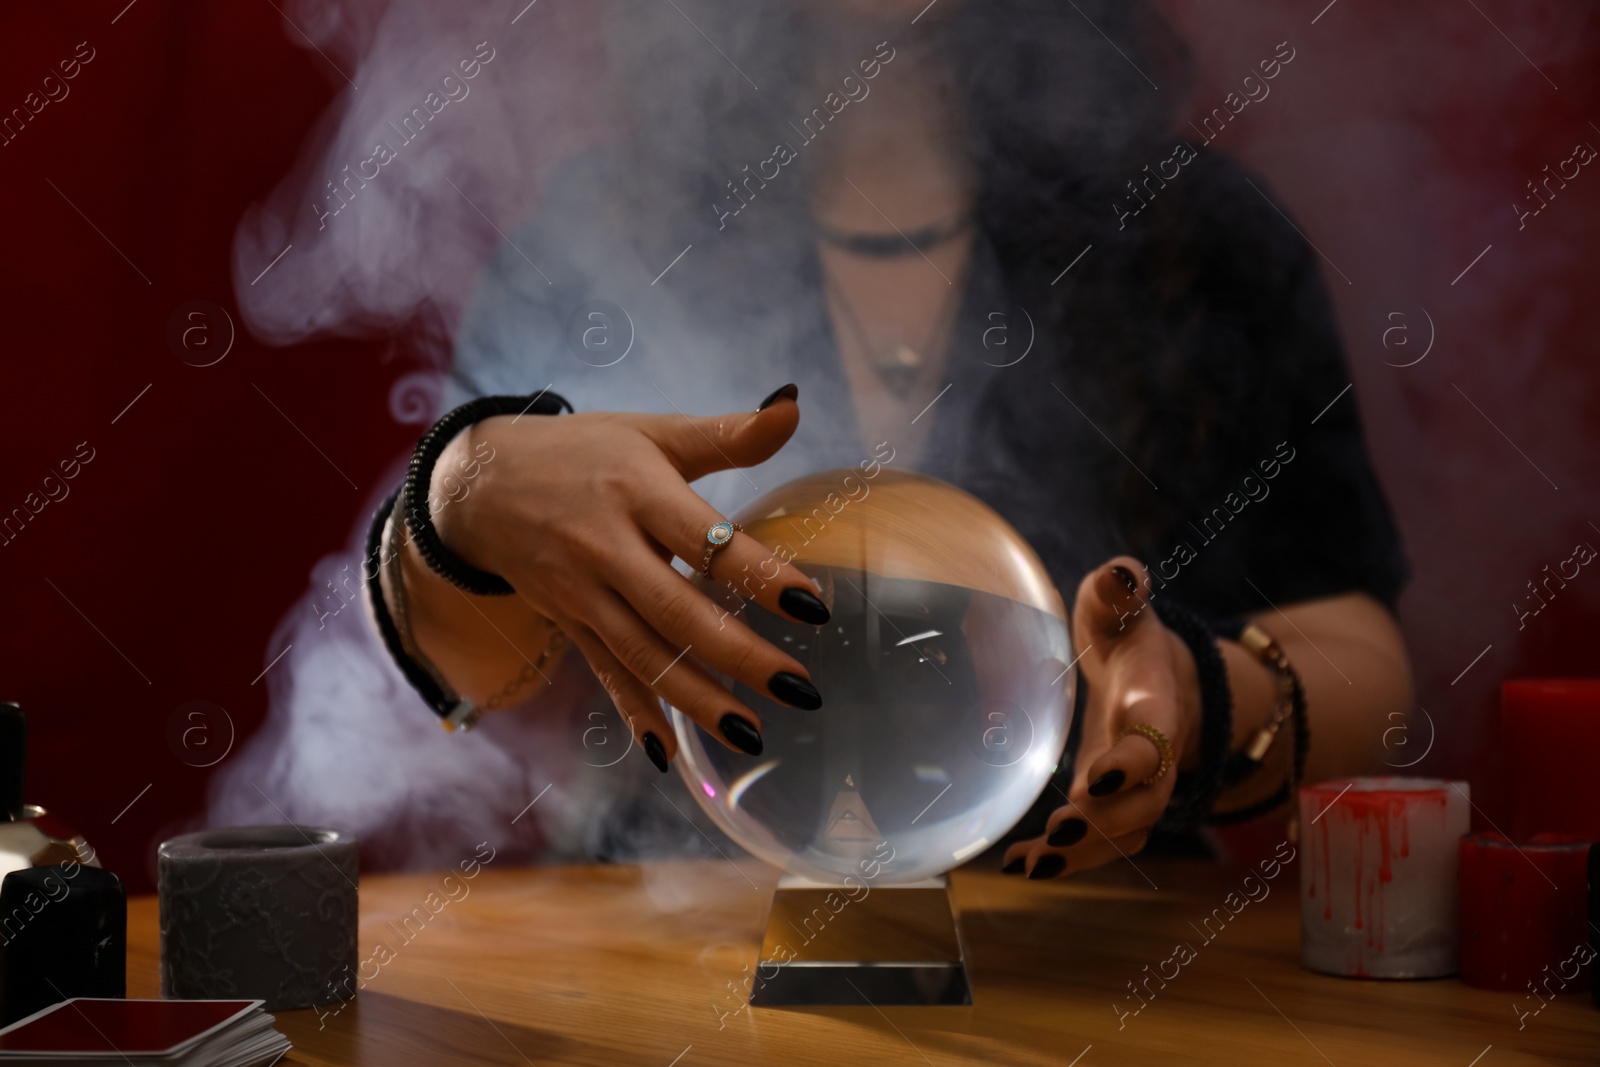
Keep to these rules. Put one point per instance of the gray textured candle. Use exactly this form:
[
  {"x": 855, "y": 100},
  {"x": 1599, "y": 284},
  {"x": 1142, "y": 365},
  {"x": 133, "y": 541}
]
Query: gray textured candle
[{"x": 258, "y": 911}]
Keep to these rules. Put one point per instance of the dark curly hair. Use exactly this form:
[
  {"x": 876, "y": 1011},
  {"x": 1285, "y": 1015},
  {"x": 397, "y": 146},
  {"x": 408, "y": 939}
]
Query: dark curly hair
[{"x": 1172, "y": 338}]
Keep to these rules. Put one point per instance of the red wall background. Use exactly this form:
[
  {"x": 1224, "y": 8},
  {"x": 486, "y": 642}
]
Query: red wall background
[{"x": 1399, "y": 140}]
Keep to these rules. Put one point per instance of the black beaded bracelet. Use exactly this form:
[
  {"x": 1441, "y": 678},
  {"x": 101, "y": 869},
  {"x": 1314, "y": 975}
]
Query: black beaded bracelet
[
  {"x": 419, "y": 475},
  {"x": 423, "y": 682},
  {"x": 1197, "y": 791}
]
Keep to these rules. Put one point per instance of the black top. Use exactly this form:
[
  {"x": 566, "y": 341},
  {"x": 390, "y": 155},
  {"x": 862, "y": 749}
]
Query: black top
[
  {"x": 1233, "y": 466},
  {"x": 1184, "y": 398}
]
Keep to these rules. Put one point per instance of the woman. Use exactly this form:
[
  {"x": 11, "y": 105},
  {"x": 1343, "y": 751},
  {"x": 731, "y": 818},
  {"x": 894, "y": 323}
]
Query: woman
[{"x": 968, "y": 236}]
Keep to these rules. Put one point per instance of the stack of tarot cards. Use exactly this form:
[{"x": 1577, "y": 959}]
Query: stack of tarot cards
[{"x": 144, "y": 1033}]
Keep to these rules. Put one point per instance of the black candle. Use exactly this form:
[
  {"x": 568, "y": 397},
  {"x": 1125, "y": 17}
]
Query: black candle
[
  {"x": 63, "y": 934},
  {"x": 1594, "y": 915},
  {"x": 13, "y": 757},
  {"x": 266, "y": 912}
]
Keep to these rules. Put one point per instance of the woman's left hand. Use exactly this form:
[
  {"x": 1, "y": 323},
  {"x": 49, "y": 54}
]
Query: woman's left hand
[{"x": 1137, "y": 671}]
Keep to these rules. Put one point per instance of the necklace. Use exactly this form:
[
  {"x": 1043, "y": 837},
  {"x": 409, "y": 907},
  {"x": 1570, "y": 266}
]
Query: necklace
[
  {"x": 897, "y": 364},
  {"x": 891, "y": 245}
]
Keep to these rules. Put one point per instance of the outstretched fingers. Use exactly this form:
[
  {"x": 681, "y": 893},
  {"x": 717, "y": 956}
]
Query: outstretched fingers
[
  {"x": 634, "y": 701},
  {"x": 687, "y": 618},
  {"x": 671, "y": 673},
  {"x": 677, "y": 517}
]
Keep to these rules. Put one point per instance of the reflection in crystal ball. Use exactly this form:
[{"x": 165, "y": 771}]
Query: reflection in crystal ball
[{"x": 945, "y": 677}]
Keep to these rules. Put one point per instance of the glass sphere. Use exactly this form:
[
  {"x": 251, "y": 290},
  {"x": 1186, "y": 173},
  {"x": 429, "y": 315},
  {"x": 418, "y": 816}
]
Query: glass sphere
[{"x": 945, "y": 673}]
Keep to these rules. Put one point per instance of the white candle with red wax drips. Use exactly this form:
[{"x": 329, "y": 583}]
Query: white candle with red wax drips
[{"x": 1378, "y": 890}]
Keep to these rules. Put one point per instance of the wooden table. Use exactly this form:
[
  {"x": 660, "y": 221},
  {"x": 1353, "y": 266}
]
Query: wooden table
[{"x": 624, "y": 965}]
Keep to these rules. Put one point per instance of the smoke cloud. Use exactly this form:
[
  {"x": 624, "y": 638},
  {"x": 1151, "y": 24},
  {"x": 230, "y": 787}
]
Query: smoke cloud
[{"x": 1401, "y": 135}]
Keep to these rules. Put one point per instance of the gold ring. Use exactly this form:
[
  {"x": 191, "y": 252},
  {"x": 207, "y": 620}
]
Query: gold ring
[
  {"x": 1158, "y": 739},
  {"x": 717, "y": 537}
]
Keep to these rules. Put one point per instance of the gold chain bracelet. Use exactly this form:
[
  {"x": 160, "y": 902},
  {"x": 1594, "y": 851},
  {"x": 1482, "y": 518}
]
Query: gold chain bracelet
[
  {"x": 534, "y": 669},
  {"x": 1290, "y": 708}
]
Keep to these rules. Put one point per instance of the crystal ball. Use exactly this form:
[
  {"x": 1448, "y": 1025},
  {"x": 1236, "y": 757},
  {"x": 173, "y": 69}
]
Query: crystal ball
[{"x": 945, "y": 671}]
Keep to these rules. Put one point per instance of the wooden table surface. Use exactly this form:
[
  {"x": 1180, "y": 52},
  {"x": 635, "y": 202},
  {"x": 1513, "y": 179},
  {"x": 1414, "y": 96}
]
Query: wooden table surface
[{"x": 629, "y": 965}]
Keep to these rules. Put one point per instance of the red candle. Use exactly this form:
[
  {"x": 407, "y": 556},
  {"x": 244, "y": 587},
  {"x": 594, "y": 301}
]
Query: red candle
[
  {"x": 1524, "y": 912},
  {"x": 1551, "y": 731}
]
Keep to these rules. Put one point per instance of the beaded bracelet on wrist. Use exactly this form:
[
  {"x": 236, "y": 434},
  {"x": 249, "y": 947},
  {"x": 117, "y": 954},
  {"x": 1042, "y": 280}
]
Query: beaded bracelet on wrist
[
  {"x": 455, "y": 711},
  {"x": 445, "y": 703},
  {"x": 1291, "y": 708},
  {"x": 440, "y": 558},
  {"x": 1197, "y": 791}
]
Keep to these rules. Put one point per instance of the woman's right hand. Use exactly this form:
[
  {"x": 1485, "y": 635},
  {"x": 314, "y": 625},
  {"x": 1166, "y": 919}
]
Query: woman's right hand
[{"x": 583, "y": 514}]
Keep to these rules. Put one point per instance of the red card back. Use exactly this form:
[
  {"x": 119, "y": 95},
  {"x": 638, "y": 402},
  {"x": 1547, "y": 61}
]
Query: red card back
[{"x": 88, "y": 1026}]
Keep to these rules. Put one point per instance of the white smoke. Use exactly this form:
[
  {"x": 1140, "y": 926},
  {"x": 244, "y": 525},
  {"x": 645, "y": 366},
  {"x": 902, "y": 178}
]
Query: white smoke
[{"x": 1387, "y": 139}]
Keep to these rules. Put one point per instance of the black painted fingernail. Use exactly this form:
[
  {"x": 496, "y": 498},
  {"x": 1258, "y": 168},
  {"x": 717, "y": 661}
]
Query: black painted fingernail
[
  {"x": 741, "y": 734},
  {"x": 1127, "y": 578},
  {"x": 795, "y": 690},
  {"x": 1070, "y": 832},
  {"x": 658, "y": 754},
  {"x": 804, "y": 605},
  {"x": 1107, "y": 783},
  {"x": 792, "y": 391},
  {"x": 1048, "y": 866},
  {"x": 1016, "y": 866}
]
